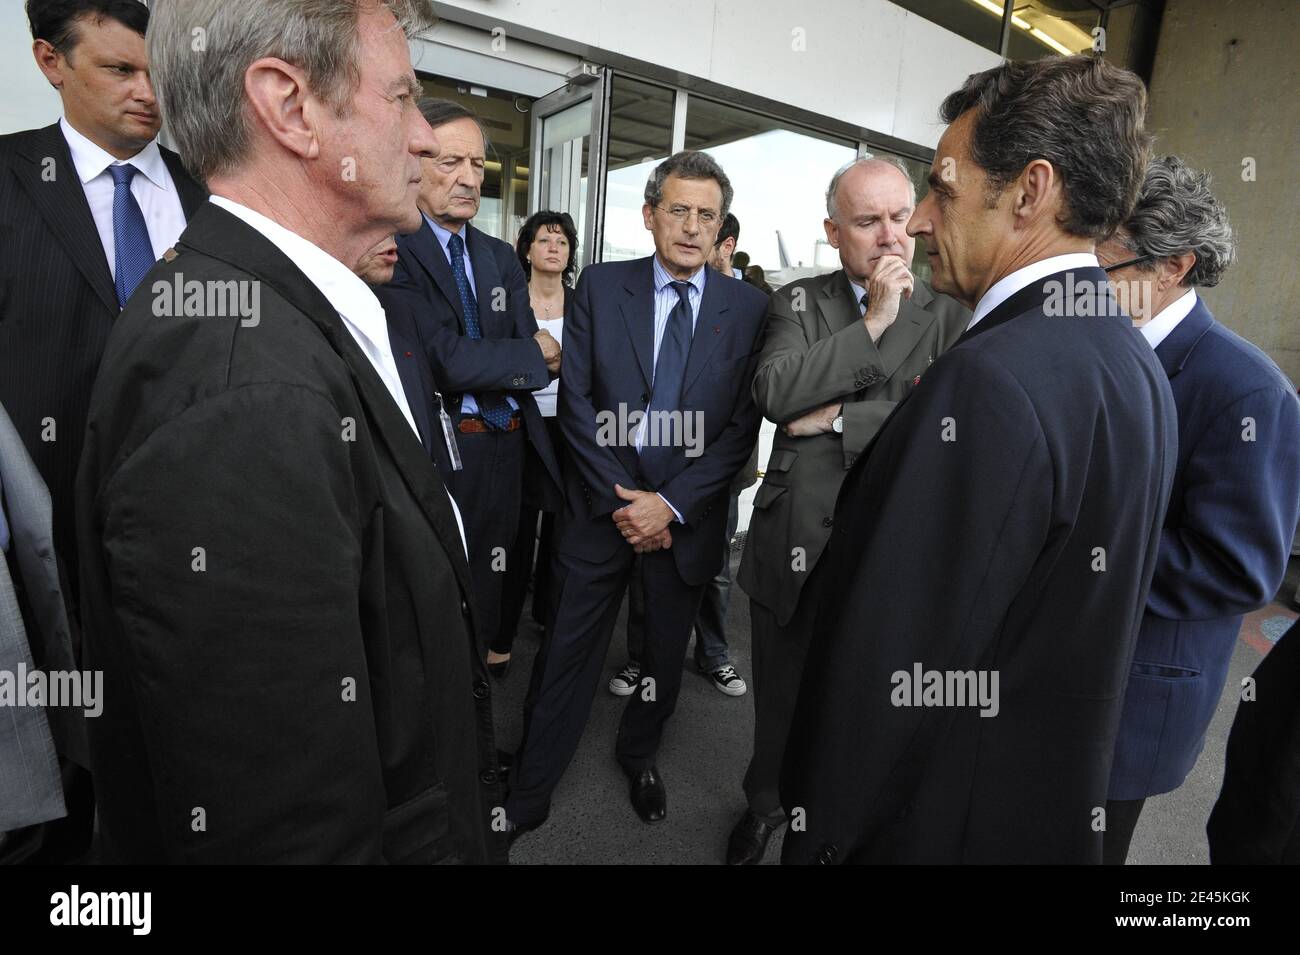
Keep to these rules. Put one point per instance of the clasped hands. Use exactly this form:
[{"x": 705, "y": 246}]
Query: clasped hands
[{"x": 644, "y": 521}]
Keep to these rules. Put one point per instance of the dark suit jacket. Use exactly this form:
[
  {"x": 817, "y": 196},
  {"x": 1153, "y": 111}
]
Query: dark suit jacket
[
  {"x": 57, "y": 306},
  {"x": 609, "y": 365},
  {"x": 816, "y": 350},
  {"x": 965, "y": 540},
  {"x": 506, "y": 360},
  {"x": 313, "y": 686},
  {"x": 1224, "y": 547},
  {"x": 1256, "y": 820}
]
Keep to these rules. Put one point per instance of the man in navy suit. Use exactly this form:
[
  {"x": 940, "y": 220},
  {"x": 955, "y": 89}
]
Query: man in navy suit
[
  {"x": 1232, "y": 515},
  {"x": 1025, "y": 479},
  {"x": 655, "y": 405},
  {"x": 465, "y": 297}
]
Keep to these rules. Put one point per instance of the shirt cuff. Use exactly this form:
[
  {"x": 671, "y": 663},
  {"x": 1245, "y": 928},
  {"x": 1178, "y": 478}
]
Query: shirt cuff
[{"x": 673, "y": 509}]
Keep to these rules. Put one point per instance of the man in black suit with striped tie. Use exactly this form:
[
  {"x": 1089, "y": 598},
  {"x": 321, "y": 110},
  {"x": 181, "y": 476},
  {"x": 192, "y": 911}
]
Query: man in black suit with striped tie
[{"x": 87, "y": 205}]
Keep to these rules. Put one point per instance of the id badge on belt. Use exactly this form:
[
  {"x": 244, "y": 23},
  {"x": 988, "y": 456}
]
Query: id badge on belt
[{"x": 448, "y": 432}]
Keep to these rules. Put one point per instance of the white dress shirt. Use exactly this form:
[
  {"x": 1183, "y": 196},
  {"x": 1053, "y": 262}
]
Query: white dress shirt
[
  {"x": 152, "y": 188},
  {"x": 546, "y": 397},
  {"x": 1009, "y": 285},
  {"x": 1167, "y": 319},
  {"x": 357, "y": 306}
]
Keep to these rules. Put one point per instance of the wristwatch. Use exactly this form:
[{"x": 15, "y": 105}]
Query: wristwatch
[{"x": 838, "y": 424}]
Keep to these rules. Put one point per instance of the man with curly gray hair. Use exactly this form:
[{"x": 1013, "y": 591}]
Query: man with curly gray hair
[{"x": 1232, "y": 514}]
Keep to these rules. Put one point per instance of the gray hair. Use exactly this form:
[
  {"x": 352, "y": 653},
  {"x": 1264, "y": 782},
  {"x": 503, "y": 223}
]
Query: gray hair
[
  {"x": 882, "y": 158},
  {"x": 199, "y": 51},
  {"x": 1176, "y": 213},
  {"x": 689, "y": 164}
]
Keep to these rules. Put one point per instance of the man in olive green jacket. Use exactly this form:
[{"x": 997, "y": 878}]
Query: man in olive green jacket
[{"x": 839, "y": 351}]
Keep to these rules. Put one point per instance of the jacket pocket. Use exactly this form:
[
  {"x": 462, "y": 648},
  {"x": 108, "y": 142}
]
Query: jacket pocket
[
  {"x": 780, "y": 461},
  {"x": 766, "y": 494},
  {"x": 415, "y": 833},
  {"x": 1164, "y": 671}
]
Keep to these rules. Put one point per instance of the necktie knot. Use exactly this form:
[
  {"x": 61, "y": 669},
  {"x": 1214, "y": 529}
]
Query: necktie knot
[
  {"x": 456, "y": 245},
  {"x": 863, "y": 301},
  {"x": 122, "y": 174},
  {"x": 683, "y": 290}
]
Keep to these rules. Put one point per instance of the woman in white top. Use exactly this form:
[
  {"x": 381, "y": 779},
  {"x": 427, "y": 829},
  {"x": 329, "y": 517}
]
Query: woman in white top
[{"x": 548, "y": 251}]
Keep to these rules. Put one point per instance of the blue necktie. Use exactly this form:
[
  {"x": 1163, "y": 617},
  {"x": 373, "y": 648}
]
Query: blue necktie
[
  {"x": 133, "y": 252},
  {"x": 666, "y": 396},
  {"x": 495, "y": 410}
]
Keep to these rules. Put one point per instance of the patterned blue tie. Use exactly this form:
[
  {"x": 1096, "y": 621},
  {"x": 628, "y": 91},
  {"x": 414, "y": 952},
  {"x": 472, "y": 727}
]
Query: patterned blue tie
[
  {"x": 495, "y": 409},
  {"x": 133, "y": 252},
  {"x": 666, "y": 396}
]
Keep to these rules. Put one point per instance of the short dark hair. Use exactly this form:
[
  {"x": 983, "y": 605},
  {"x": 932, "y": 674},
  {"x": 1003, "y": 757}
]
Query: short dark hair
[
  {"x": 688, "y": 164},
  {"x": 553, "y": 221},
  {"x": 1080, "y": 113},
  {"x": 730, "y": 229},
  {"x": 55, "y": 21}
]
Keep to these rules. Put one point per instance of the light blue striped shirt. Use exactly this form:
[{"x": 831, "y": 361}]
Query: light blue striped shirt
[
  {"x": 467, "y": 403},
  {"x": 666, "y": 300}
]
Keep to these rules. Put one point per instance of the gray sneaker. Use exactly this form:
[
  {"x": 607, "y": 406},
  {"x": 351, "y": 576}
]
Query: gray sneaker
[{"x": 625, "y": 680}]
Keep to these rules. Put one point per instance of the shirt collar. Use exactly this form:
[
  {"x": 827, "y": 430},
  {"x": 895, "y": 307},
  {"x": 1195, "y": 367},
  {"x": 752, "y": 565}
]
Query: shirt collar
[
  {"x": 1009, "y": 285},
  {"x": 91, "y": 159},
  {"x": 349, "y": 296},
  {"x": 1166, "y": 320},
  {"x": 858, "y": 291},
  {"x": 662, "y": 278},
  {"x": 444, "y": 235}
]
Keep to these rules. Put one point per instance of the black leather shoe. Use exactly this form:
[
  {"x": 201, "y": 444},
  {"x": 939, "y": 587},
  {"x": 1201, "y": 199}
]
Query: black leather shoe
[
  {"x": 749, "y": 839},
  {"x": 504, "y": 762},
  {"x": 649, "y": 798}
]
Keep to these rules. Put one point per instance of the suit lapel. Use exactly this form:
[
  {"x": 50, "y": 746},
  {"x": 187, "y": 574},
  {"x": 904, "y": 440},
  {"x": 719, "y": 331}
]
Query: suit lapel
[
  {"x": 900, "y": 338},
  {"x": 192, "y": 195},
  {"x": 428, "y": 252},
  {"x": 710, "y": 328},
  {"x": 1178, "y": 345},
  {"x": 836, "y": 305},
  {"x": 219, "y": 234},
  {"x": 487, "y": 279},
  {"x": 61, "y": 200},
  {"x": 639, "y": 317}
]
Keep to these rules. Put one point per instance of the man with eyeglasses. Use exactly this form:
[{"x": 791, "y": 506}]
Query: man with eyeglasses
[
  {"x": 1232, "y": 514},
  {"x": 656, "y": 408}
]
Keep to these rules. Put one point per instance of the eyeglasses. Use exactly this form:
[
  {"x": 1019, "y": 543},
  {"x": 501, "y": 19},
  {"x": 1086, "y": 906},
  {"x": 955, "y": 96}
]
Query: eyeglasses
[
  {"x": 1123, "y": 265},
  {"x": 681, "y": 213}
]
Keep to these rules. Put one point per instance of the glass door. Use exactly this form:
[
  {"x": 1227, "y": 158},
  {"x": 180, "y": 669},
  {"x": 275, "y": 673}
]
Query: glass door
[{"x": 567, "y": 158}]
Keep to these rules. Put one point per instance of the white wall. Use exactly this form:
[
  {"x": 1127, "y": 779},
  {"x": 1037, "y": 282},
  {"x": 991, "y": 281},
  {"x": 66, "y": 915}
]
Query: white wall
[
  {"x": 867, "y": 62},
  {"x": 28, "y": 100}
]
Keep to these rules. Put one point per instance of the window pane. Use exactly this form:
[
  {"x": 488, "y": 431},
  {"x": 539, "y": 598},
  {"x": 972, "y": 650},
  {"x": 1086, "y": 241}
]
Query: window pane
[
  {"x": 979, "y": 21},
  {"x": 566, "y": 159},
  {"x": 779, "y": 174},
  {"x": 640, "y": 137}
]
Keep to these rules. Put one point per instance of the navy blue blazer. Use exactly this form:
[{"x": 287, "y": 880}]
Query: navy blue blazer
[
  {"x": 506, "y": 360},
  {"x": 1035, "y": 444},
  {"x": 609, "y": 369},
  {"x": 1223, "y": 550}
]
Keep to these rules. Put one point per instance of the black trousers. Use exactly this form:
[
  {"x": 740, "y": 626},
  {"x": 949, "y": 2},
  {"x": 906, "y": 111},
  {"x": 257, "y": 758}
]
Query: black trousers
[
  {"x": 1121, "y": 820},
  {"x": 530, "y": 560},
  {"x": 487, "y": 491},
  {"x": 778, "y": 658},
  {"x": 568, "y": 669}
]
